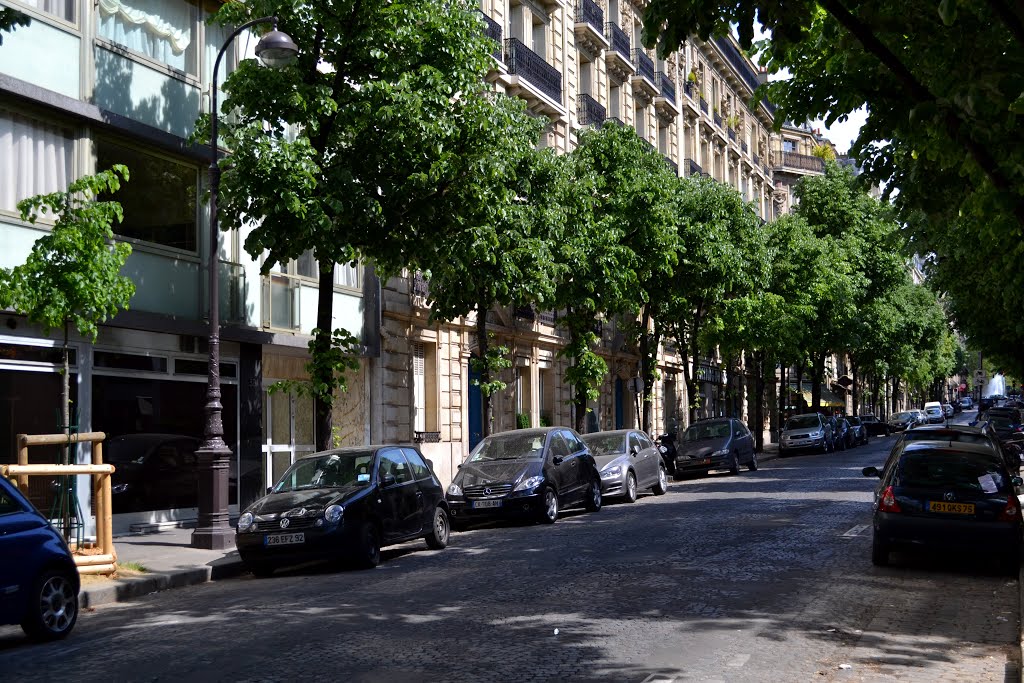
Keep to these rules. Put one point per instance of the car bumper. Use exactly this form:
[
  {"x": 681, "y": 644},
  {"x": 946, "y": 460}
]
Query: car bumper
[
  {"x": 702, "y": 464},
  {"x": 900, "y": 530},
  {"x": 801, "y": 444},
  {"x": 318, "y": 544},
  {"x": 613, "y": 487},
  {"x": 462, "y": 509}
]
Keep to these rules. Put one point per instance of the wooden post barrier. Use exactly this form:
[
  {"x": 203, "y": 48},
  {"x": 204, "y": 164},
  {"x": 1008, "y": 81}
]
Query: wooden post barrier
[{"x": 105, "y": 563}]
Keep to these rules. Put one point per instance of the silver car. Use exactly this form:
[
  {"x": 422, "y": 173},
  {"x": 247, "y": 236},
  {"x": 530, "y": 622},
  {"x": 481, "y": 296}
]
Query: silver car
[
  {"x": 629, "y": 461},
  {"x": 807, "y": 431}
]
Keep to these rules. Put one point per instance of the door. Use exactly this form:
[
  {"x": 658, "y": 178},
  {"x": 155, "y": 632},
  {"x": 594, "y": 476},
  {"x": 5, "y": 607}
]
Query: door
[
  {"x": 22, "y": 535},
  {"x": 428, "y": 485},
  {"x": 578, "y": 471},
  {"x": 645, "y": 466},
  {"x": 560, "y": 465},
  {"x": 401, "y": 499},
  {"x": 746, "y": 441},
  {"x": 620, "y": 412},
  {"x": 476, "y": 416}
]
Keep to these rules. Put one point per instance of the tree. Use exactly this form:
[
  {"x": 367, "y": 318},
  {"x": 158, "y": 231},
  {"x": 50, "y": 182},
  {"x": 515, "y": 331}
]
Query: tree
[
  {"x": 72, "y": 275},
  {"x": 375, "y": 144}
]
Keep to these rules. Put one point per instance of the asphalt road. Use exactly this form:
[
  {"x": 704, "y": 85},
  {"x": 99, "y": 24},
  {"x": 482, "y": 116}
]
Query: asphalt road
[{"x": 765, "y": 576}]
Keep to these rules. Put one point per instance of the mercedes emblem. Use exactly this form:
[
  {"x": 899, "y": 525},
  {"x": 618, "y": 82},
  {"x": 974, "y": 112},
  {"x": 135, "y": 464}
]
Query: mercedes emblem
[
  {"x": 487, "y": 491},
  {"x": 285, "y": 522}
]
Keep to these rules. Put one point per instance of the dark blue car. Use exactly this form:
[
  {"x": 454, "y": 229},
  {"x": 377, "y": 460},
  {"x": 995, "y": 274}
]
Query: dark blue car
[{"x": 38, "y": 578}]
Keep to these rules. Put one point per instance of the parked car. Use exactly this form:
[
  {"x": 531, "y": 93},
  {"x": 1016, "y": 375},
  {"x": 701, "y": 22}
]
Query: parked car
[
  {"x": 38, "y": 578},
  {"x": 1014, "y": 415},
  {"x": 919, "y": 416},
  {"x": 345, "y": 503},
  {"x": 966, "y": 434},
  {"x": 947, "y": 495},
  {"x": 948, "y": 410},
  {"x": 628, "y": 461},
  {"x": 715, "y": 444},
  {"x": 1002, "y": 426},
  {"x": 986, "y": 402},
  {"x": 843, "y": 437},
  {"x": 874, "y": 426},
  {"x": 808, "y": 431},
  {"x": 858, "y": 430},
  {"x": 966, "y": 402},
  {"x": 902, "y": 421},
  {"x": 525, "y": 473}
]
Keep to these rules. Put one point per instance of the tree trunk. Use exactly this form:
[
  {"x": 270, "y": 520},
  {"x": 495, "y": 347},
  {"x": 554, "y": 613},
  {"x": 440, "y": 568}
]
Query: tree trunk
[
  {"x": 688, "y": 372},
  {"x": 783, "y": 394},
  {"x": 876, "y": 390},
  {"x": 895, "y": 394},
  {"x": 482, "y": 344},
  {"x": 321, "y": 345},
  {"x": 818, "y": 368},
  {"x": 759, "y": 366},
  {"x": 853, "y": 389},
  {"x": 648, "y": 359}
]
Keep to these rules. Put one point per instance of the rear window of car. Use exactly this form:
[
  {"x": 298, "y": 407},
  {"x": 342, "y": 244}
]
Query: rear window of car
[
  {"x": 803, "y": 422},
  {"x": 935, "y": 469}
]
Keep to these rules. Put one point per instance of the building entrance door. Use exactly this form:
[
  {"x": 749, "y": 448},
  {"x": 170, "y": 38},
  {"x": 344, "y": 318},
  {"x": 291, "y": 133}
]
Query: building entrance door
[{"x": 476, "y": 414}]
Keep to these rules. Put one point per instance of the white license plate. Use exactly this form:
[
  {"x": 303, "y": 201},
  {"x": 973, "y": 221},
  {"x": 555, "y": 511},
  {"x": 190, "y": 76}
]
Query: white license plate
[
  {"x": 477, "y": 504},
  {"x": 284, "y": 539}
]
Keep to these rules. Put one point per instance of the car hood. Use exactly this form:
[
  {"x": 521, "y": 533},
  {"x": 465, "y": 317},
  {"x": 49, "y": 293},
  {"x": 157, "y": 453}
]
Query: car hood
[
  {"x": 701, "y": 449},
  {"x": 607, "y": 459},
  {"x": 489, "y": 472},
  {"x": 312, "y": 500}
]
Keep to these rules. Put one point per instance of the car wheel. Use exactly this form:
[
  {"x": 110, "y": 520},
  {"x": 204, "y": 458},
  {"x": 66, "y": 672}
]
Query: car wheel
[
  {"x": 752, "y": 465},
  {"x": 53, "y": 606},
  {"x": 630, "y": 488},
  {"x": 437, "y": 538},
  {"x": 368, "y": 555},
  {"x": 593, "y": 503},
  {"x": 662, "y": 486},
  {"x": 879, "y": 552},
  {"x": 549, "y": 506},
  {"x": 734, "y": 464}
]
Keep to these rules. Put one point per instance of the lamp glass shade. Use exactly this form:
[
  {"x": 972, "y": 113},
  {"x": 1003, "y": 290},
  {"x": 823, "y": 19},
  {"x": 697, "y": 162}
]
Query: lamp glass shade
[{"x": 276, "y": 49}]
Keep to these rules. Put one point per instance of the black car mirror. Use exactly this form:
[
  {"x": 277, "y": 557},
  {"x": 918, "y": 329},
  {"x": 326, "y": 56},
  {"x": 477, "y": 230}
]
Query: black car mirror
[
  {"x": 871, "y": 472},
  {"x": 388, "y": 480},
  {"x": 1017, "y": 481},
  {"x": 269, "y": 489},
  {"x": 557, "y": 459}
]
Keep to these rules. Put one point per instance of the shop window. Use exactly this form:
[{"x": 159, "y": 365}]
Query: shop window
[
  {"x": 62, "y": 9},
  {"x": 35, "y": 158},
  {"x": 159, "y": 201},
  {"x": 163, "y": 30}
]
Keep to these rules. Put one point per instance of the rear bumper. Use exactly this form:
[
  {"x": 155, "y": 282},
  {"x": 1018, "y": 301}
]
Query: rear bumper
[
  {"x": 897, "y": 530},
  {"x": 702, "y": 464}
]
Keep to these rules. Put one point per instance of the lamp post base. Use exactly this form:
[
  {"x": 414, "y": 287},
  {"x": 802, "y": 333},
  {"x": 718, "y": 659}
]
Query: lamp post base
[{"x": 214, "y": 531}]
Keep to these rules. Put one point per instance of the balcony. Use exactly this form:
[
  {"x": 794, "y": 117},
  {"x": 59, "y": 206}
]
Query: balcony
[
  {"x": 732, "y": 134},
  {"x": 616, "y": 120},
  {"x": 703, "y": 104},
  {"x": 739, "y": 63},
  {"x": 644, "y": 80},
  {"x": 547, "y": 318},
  {"x": 743, "y": 146},
  {"x": 668, "y": 88},
  {"x": 420, "y": 286},
  {"x": 589, "y": 112},
  {"x": 718, "y": 119},
  {"x": 589, "y": 25},
  {"x": 618, "y": 57},
  {"x": 493, "y": 31},
  {"x": 802, "y": 162},
  {"x": 665, "y": 101},
  {"x": 691, "y": 167},
  {"x": 543, "y": 79},
  {"x": 689, "y": 89},
  {"x": 757, "y": 159}
]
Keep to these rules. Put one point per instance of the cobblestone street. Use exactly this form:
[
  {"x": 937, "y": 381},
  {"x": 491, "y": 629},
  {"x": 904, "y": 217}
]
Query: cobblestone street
[{"x": 765, "y": 576}]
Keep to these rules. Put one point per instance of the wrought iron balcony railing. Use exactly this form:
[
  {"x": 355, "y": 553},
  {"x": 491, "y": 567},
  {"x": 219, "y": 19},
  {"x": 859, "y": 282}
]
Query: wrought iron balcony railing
[
  {"x": 618, "y": 38},
  {"x": 547, "y": 318},
  {"x": 757, "y": 159},
  {"x": 732, "y": 134},
  {"x": 589, "y": 112},
  {"x": 803, "y": 162},
  {"x": 691, "y": 167},
  {"x": 718, "y": 119},
  {"x": 668, "y": 88},
  {"x": 420, "y": 285},
  {"x": 689, "y": 89},
  {"x": 739, "y": 63},
  {"x": 743, "y": 146},
  {"x": 703, "y": 104},
  {"x": 524, "y": 62},
  {"x": 493, "y": 31},
  {"x": 588, "y": 11},
  {"x": 672, "y": 165},
  {"x": 644, "y": 65}
]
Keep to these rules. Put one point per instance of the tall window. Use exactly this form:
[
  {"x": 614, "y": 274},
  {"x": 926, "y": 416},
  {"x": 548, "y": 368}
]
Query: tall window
[
  {"x": 163, "y": 30},
  {"x": 424, "y": 387},
  {"x": 640, "y": 121},
  {"x": 788, "y": 145},
  {"x": 614, "y": 100},
  {"x": 35, "y": 158},
  {"x": 62, "y": 9}
]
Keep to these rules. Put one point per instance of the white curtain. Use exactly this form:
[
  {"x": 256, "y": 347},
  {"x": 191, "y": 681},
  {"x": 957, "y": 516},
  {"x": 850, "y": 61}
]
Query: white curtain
[
  {"x": 35, "y": 158},
  {"x": 65, "y": 9},
  {"x": 161, "y": 29}
]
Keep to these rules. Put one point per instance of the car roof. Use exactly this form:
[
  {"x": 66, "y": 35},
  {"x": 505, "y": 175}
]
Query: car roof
[
  {"x": 610, "y": 432},
  {"x": 914, "y": 445}
]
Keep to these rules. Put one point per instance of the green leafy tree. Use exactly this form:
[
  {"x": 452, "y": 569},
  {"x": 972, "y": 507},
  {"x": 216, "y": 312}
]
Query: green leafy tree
[
  {"x": 72, "y": 275},
  {"x": 376, "y": 144}
]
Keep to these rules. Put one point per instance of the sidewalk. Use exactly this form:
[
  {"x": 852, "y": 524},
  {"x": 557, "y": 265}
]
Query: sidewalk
[{"x": 170, "y": 562}]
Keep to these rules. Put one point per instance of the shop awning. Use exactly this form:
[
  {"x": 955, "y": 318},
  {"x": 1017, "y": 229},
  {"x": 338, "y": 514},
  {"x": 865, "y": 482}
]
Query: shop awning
[{"x": 829, "y": 399}]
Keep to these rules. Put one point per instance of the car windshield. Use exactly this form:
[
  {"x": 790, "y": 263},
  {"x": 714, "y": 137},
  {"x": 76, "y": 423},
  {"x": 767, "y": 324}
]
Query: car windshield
[
  {"x": 509, "y": 447},
  {"x": 710, "y": 430},
  {"x": 933, "y": 410},
  {"x": 855, "y": 421},
  {"x": 605, "y": 444},
  {"x": 331, "y": 470},
  {"x": 902, "y": 416},
  {"x": 1000, "y": 422},
  {"x": 934, "y": 469},
  {"x": 803, "y": 422}
]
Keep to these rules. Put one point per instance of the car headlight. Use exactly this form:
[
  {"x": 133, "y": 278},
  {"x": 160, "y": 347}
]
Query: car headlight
[
  {"x": 818, "y": 434},
  {"x": 454, "y": 489},
  {"x": 611, "y": 472},
  {"x": 724, "y": 451},
  {"x": 333, "y": 513},
  {"x": 530, "y": 483},
  {"x": 245, "y": 521}
]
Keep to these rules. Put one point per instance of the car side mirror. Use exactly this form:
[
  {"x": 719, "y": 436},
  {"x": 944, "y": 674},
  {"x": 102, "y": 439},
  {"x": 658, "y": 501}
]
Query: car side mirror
[
  {"x": 871, "y": 472},
  {"x": 269, "y": 489},
  {"x": 459, "y": 466},
  {"x": 388, "y": 480},
  {"x": 557, "y": 459},
  {"x": 634, "y": 450},
  {"x": 1017, "y": 481}
]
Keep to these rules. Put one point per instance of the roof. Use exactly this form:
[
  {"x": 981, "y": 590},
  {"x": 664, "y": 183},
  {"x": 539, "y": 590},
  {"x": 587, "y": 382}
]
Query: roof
[{"x": 947, "y": 446}]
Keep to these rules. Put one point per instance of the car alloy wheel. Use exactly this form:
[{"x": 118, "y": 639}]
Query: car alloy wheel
[
  {"x": 369, "y": 556},
  {"x": 662, "y": 486},
  {"x": 56, "y": 607},
  {"x": 549, "y": 511},
  {"x": 734, "y": 464},
  {"x": 630, "y": 488},
  {"x": 437, "y": 539},
  {"x": 594, "y": 496},
  {"x": 752, "y": 465}
]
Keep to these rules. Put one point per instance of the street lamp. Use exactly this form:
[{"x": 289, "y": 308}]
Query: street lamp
[{"x": 213, "y": 532}]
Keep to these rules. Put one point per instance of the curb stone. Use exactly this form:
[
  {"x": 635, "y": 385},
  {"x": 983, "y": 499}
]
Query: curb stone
[{"x": 123, "y": 590}]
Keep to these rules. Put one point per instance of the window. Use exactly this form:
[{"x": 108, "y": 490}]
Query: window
[
  {"x": 159, "y": 201},
  {"x": 163, "y": 30},
  {"x": 35, "y": 158},
  {"x": 419, "y": 467},
  {"x": 614, "y": 99},
  {"x": 575, "y": 445},
  {"x": 788, "y": 145},
  {"x": 62, "y": 9},
  {"x": 557, "y": 445},
  {"x": 424, "y": 387},
  {"x": 634, "y": 442},
  {"x": 393, "y": 464},
  {"x": 347, "y": 275},
  {"x": 640, "y": 121}
]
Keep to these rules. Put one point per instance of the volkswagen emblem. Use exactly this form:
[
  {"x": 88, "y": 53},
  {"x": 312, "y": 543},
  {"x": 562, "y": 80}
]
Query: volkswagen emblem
[
  {"x": 487, "y": 491},
  {"x": 949, "y": 496},
  {"x": 285, "y": 522}
]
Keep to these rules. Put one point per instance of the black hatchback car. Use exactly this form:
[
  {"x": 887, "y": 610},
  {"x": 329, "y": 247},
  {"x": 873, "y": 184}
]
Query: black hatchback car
[
  {"x": 38, "y": 578},
  {"x": 344, "y": 504},
  {"x": 717, "y": 443},
  {"x": 525, "y": 473},
  {"x": 948, "y": 495}
]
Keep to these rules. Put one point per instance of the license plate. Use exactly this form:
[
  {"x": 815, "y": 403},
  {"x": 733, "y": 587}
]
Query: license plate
[
  {"x": 477, "y": 504},
  {"x": 955, "y": 508},
  {"x": 284, "y": 539}
]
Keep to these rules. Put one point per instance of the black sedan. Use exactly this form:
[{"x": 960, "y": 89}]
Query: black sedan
[
  {"x": 903, "y": 421},
  {"x": 946, "y": 495},
  {"x": 525, "y": 473},
  {"x": 874, "y": 426},
  {"x": 858, "y": 431},
  {"x": 715, "y": 444},
  {"x": 344, "y": 504}
]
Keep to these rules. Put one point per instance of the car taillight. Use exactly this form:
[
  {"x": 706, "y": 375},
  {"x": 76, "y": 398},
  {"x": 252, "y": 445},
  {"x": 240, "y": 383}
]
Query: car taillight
[
  {"x": 1010, "y": 512},
  {"x": 887, "y": 503}
]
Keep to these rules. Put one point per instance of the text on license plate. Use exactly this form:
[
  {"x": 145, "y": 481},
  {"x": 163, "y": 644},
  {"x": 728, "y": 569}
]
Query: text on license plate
[
  {"x": 955, "y": 508},
  {"x": 284, "y": 539},
  {"x": 486, "y": 503}
]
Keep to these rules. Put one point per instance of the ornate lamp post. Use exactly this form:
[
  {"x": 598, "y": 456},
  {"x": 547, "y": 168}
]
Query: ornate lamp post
[{"x": 275, "y": 49}]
